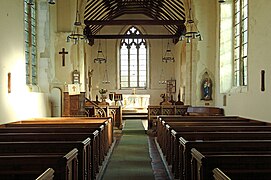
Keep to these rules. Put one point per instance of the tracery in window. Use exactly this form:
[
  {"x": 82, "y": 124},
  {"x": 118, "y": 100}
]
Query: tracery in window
[{"x": 133, "y": 61}]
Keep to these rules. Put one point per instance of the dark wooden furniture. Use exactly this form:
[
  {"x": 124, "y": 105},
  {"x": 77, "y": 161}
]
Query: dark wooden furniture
[
  {"x": 219, "y": 175},
  {"x": 170, "y": 130},
  {"x": 98, "y": 110},
  {"x": 256, "y": 164},
  {"x": 205, "y": 111},
  {"x": 97, "y": 132},
  {"x": 74, "y": 105},
  {"x": 154, "y": 111},
  {"x": 47, "y": 175},
  {"x": 18, "y": 165},
  {"x": 80, "y": 141}
]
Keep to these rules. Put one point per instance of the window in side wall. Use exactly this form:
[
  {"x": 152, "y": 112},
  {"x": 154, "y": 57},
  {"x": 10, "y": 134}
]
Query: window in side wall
[
  {"x": 226, "y": 47},
  {"x": 240, "y": 42},
  {"x": 133, "y": 61},
  {"x": 30, "y": 43}
]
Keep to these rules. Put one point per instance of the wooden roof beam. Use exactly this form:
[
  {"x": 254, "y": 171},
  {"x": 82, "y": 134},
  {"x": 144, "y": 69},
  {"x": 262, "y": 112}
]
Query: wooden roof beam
[
  {"x": 130, "y": 36},
  {"x": 133, "y": 22}
]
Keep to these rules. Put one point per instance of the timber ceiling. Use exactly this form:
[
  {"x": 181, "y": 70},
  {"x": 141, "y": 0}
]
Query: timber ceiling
[{"x": 168, "y": 13}]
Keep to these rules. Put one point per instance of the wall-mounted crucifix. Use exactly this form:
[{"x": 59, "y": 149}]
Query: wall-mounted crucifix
[{"x": 63, "y": 52}]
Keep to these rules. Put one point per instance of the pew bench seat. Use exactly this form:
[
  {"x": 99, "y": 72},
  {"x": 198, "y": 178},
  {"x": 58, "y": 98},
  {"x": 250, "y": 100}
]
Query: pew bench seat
[
  {"x": 204, "y": 162},
  {"x": 30, "y": 166},
  {"x": 215, "y": 145}
]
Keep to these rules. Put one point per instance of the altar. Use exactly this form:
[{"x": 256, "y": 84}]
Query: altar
[{"x": 136, "y": 102}]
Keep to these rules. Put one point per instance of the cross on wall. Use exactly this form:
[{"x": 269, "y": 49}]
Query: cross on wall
[
  {"x": 63, "y": 52},
  {"x": 74, "y": 88}
]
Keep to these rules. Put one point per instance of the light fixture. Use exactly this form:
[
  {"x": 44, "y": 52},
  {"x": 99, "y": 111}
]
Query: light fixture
[
  {"x": 100, "y": 56},
  {"x": 30, "y": 2},
  {"x": 168, "y": 56},
  {"x": 106, "y": 79},
  {"x": 192, "y": 31},
  {"x": 162, "y": 79},
  {"x": 51, "y": 1},
  {"x": 76, "y": 35}
]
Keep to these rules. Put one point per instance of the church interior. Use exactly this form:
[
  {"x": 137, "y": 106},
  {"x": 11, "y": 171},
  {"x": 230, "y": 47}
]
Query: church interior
[{"x": 148, "y": 77}]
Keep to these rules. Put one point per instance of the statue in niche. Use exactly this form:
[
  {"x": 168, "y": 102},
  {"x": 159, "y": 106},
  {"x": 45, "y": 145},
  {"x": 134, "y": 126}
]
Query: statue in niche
[{"x": 206, "y": 88}]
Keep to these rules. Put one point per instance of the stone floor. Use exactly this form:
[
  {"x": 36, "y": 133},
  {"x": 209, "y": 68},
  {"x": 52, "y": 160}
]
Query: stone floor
[{"x": 160, "y": 169}]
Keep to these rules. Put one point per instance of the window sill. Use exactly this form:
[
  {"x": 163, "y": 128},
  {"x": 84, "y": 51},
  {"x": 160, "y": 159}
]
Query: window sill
[
  {"x": 238, "y": 89},
  {"x": 33, "y": 88}
]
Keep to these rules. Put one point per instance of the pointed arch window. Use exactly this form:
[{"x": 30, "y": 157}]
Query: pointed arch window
[{"x": 133, "y": 61}]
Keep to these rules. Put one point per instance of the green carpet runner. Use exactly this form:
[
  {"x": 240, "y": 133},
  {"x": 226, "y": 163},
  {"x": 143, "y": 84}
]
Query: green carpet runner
[{"x": 130, "y": 159}]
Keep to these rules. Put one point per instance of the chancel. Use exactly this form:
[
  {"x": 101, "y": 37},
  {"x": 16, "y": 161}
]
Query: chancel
[{"x": 118, "y": 89}]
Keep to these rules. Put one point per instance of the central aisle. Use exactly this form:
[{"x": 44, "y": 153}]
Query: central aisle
[{"x": 130, "y": 158}]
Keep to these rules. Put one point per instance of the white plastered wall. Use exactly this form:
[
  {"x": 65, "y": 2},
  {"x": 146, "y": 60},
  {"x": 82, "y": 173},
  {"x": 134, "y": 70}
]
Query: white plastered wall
[
  {"x": 22, "y": 102},
  {"x": 254, "y": 103}
]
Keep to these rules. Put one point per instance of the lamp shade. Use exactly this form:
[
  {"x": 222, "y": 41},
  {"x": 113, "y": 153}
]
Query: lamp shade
[
  {"x": 51, "y": 1},
  {"x": 31, "y": 2}
]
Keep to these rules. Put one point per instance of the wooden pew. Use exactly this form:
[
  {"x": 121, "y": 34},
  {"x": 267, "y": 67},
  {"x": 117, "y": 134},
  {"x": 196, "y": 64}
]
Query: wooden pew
[
  {"x": 154, "y": 111},
  {"x": 176, "y": 118},
  {"x": 103, "y": 142},
  {"x": 170, "y": 129},
  {"x": 28, "y": 166},
  {"x": 164, "y": 120},
  {"x": 219, "y": 175},
  {"x": 165, "y": 136},
  {"x": 106, "y": 135},
  {"x": 181, "y": 110},
  {"x": 89, "y": 156},
  {"x": 169, "y": 147},
  {"x": 47, "y": 175},
  {"x": 258, "y": 163},
  {"x": 70, "y": 121},
  {"x": 68, "y": 124},
  {"x": 216, "y": 146},
  {"x": 45, "y": 129},
  {"x": 203, "y": 136},
  {"x": 106, "y": 121},
  {"x": 86, "y": 154},
  {"x": 205, "y": 111},
  {"x": 243, "y": 174},
  {"x": 53, "y": 147}
]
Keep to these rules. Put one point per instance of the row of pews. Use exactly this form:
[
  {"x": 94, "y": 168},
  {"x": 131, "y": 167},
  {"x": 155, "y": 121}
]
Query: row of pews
[
  {"x": 184, "y": 110},
  {"x": 66, "y": 148},
  {"x": 215, "y": 147}
]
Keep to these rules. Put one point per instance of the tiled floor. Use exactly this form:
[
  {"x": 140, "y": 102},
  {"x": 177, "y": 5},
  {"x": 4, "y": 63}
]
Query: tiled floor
[{"x": 159, "y": 166}]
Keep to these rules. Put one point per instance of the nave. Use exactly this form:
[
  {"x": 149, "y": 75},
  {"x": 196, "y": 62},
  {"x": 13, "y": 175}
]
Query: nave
[
  {"x": 81, "y": 148},
  {"x": 135, "y": 155}
]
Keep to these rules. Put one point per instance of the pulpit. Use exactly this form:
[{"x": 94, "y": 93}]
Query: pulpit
[{"x": 74, "y": 105}]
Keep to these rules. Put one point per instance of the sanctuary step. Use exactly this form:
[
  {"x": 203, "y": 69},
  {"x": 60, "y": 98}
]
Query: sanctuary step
[{"x": 134, "y": 114}]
